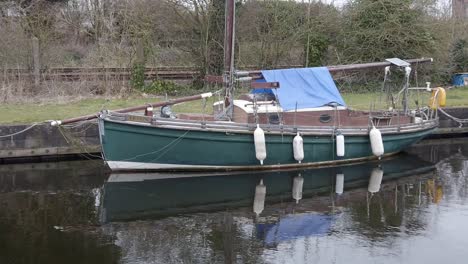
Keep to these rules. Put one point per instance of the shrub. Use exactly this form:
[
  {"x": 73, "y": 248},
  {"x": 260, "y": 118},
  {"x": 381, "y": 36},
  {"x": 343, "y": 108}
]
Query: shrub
[
  {"x": 137, "y": 80},
  {"x": 162, "y": 87}
]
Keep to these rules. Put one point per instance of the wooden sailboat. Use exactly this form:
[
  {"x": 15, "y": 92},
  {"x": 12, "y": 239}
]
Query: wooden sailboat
[{"x": 295, "y": 117}]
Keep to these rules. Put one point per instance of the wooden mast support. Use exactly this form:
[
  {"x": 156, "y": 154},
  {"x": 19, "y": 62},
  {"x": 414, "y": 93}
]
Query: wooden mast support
[
  {"x": 132, "y": 109},
  {"x": 229, "y": 39}
]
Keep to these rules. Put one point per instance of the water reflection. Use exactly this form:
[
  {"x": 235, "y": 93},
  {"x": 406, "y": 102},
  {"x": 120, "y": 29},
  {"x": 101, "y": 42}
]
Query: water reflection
[
  {"x": 259, "y": 199},
  {"x": 270, "y": 216},
  {"x": 48, "y": 214},
  {"x": 391, "y": 211},
  {"x": 143, "y": 196}
]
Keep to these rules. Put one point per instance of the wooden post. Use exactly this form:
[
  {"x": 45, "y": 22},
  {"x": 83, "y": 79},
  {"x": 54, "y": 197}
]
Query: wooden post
[{"x": 36, "y": 61}]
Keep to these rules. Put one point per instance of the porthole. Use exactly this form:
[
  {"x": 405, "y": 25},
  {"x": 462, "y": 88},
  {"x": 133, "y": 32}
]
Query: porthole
[{"x": 325, "y": 118}]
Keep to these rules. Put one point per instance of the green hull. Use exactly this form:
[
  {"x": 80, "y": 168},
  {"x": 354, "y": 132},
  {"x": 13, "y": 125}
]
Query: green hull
[{"x": 129, "y": 146}]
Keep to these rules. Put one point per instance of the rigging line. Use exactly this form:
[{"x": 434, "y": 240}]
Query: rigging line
[
  {"x": 64, "y": 136},
  {"x": 159, "y": 150},
  {"x": 173, "y": 145},
  {"x": 22, "y": 131},
  {"x": 177, "y": 139},
  {"x": 280, "y": 116},
  {"x": 223, "y": 113},
  {"x": 77, "y": 124},
  {"x": 86, "y": 126},
  {"x": 77, "y": 143},
  {"x": 333, "y": 138},
  {"x": 456, "y": 119}
]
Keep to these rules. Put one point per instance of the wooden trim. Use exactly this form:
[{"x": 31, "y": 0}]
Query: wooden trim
[{"x": 264, "y": 85}]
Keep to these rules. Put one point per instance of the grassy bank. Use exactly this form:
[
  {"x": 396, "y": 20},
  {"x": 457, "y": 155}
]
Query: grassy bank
[{"x": 28, "y": 113}]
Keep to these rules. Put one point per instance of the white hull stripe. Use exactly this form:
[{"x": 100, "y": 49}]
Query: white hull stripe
[{"x": 142, "y": 166}]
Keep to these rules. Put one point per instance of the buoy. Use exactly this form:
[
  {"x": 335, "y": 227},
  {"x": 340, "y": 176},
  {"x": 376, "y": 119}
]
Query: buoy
[
  {"x": 259, "y": 199},
  {"x": 339, "y": 185},
  {"x": 438, "y": 98},
  {"x": 298, "y": 182},
  {"x": 298, "y": 148},
  {"x": 340, "y": 145},
  {"x": 260, "y": 145},
  {"x": 376, "y": 142},
  {"x": 375, "y": 180},
  {"x": 442, "y": 97}
]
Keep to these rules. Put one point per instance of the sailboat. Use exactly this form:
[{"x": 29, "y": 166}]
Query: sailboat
[{"x": 292, "y": 118}]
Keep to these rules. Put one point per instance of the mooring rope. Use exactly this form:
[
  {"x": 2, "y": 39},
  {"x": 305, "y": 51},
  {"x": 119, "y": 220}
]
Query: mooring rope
[
  {"x": 22, "y": 131},
  {"x": 71, "y": 140},
  {"x": 456, "y": 119}
]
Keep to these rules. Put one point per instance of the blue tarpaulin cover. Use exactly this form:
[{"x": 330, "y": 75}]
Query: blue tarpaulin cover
[{"x": 308, "y": 87}]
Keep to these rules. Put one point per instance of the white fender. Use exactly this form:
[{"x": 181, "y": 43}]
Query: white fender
[
  {"x": 298, "y": 182},
  {"x": 376, "y": 142},
  {"x": 298, "y": 148},
  {"x": 259, "y": 200},
  {"x": 339, "y": 185},
  {"x": 375, "y": 180},
  {"x": 260, "y": 145},
  {"x": 340, "y": 145}
]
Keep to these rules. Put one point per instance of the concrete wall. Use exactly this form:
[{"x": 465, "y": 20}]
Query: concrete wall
[
  {"x": 45, "y": 140},
  {"x": 450, "y": 128}
]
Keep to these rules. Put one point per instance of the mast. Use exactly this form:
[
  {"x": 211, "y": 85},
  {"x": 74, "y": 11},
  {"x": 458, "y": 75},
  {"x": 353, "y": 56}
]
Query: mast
[{"x": 229, "y": 38}]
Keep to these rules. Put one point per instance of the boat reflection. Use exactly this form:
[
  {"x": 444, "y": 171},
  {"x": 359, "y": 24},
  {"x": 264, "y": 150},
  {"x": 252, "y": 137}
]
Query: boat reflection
[{"x": 156, "y": 195}]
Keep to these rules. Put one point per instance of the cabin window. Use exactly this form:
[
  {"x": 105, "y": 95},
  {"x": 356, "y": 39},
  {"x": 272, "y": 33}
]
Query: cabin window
[
  {"x": 273, "y": 119},
  {"x": 325, "y": 118}
]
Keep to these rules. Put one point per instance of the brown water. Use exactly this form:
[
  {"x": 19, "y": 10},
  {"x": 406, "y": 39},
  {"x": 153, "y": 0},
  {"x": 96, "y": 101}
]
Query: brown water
[{"x": 74, "y": 212}]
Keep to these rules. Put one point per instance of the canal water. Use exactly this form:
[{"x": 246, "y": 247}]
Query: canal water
[{"x": 411, "y": 208}]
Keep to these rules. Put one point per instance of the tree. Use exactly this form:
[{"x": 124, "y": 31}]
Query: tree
[
  {"x": 459, "y": 56},
  {"x": 378, "y": 29},
  {"x": 272, "y": 29},
  {"x": 202, "y": 24},
  {"x": 320, "y": 34}
]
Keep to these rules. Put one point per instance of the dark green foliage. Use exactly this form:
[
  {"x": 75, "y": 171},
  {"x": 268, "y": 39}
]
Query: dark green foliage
[
  {"x": 318, "y": 45},
  {"x": 215, "y": 51},
  {"x": 459, "y": 56},
  {"x": 376, "y": 30},
  {"x": 162, "y": 87},
  {"x": 137, "y": 80},
  {"x": 272, "y": 28},
  {"x": 159, "y": 87}
]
